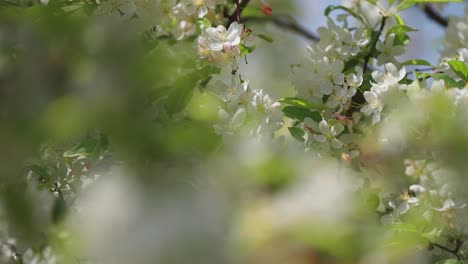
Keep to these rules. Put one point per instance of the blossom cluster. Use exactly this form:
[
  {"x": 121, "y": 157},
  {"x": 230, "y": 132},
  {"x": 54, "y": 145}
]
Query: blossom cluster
[
  {"x": 321, "y": 75},
  {"x": 248, "y": 111},
  {"x": 221, "y": 46},
  {"x": 179, "y": 19},
  {"x": 347, "y": 92},
  {"x": 8, "y": 251},
  {"x": 430, "y": 193},
  {"x": 385, "y": 83}
]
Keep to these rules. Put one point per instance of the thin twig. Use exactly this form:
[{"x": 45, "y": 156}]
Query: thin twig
[
  {"x": 285, "y": 22},
  {"x": 434, "y": 15},
  {"x": 358, "y": 98},
  {"x": 458, "y": 245},
  {"x": 237, "y": 11},
  {"x": 374, "y": 44}
]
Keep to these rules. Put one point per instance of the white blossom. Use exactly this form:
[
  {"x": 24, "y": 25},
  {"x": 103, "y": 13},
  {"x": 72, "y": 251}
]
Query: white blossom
[
  {"x": 230, "y": 123},
  {"x": 219, "y": 45},
  {"x": 388, "y": 50},
  {"x": 449, "y": 205},
  {"x": 324, "y": 134},
  {"x": 200, "y": 7},
  {"x": 374, "y": 106},
  {"x": 388, "y": 80}
]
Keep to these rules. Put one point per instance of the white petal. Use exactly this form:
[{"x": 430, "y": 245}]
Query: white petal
[
  {"x": 336, "y": 143},
  {"x": 370, "y": 97},
  {"x": 216, "y": 46},
  {"x": 375, "y": 118},
  {"x": 223, "y": 115},
  {"x": 309, "y": 122},
  {"x": 403, "y": 208},
  {"x": 238, "y": 118},
  {"x": 234, "y": 31},
  {"x": 449, "y": 203},
  {"x": 202, "y": 11},
  {"x": 337, "y": 129},
  {"x": 387, "y": 219},
  {"x": 367, "y": 110},
  {"x": 215, "y": 34},
  {"x": 378, "y": 76},
  {"x": 416, "y": 188},
  {"x": 402, "y": 73},
  {"x": 324, "y": 128},
  {"x": 391, "y": 69},
  {"x": 326, "y": 87},
  {"x": 320, "y": 138}
]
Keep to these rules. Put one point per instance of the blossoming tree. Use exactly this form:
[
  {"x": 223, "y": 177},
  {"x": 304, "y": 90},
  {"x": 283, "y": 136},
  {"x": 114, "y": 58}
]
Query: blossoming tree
[{"x": 129, "y": 135}]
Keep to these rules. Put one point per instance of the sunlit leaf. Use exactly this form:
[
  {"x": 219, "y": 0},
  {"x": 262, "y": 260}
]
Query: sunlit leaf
[
  {"x": 297, "y": 133},
  {"x": 299, "y": 113},
  {"x": 460, "y": 68},
  {"x": 297, "y": 101},
  {"x": 265, "y": 37},
  {"x": 416, "y": 62}
]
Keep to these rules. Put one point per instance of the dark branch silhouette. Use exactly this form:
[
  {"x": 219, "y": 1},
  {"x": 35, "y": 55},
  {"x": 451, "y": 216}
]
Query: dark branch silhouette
[
  {"x": 236, "y": 15},
  {"x": 432, "y": 13},
  {"x": 285, "y": 22}
]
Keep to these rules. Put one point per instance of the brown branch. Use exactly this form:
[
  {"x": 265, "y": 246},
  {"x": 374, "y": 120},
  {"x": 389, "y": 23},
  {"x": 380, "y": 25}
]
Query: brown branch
[
  {"x": 374, "y": 44},
  {"x": 285, "y": 22},
  {"x": 434, "y": 15},
  {"x": 458, "y": 245},
  {"x": 236, "y": 15}
]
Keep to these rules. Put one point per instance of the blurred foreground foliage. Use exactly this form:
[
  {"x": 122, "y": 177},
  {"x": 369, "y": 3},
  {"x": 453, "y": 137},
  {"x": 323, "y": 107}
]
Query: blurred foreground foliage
[
  {"x": 90, "y": 100},
  {"x": 78, "y": 94}
]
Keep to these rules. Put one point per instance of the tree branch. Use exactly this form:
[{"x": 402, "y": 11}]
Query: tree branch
[
  {"x": 434, "y": 15},
  {"x": 285, "y": 22},
  {"x": 236, "y": 15},
  {"x": 358, "y": 98},
  {"x": 374, "y": 44},
  {"x": 458, "y": 245}
]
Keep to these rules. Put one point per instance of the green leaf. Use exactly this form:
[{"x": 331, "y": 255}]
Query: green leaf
[
  {"x": 448, "y": 80},
  {"x": 297, "y": 133},
  {"x": 434, "y": 1},
  {"x": 180, "y": 91},
  {"x": 432, "y": 235},
  {"x": 299, "y": 113},
  {"x": 265, "y": 38},
  {"x": 351, "y": 64},
  {"x": 401, "y": 38},
  {"x": 250, "y": 11},
  {"x": 296, "y": 101},
  {"x": 404, "y": 5},
  {"x": 59, "y": 210},
  {"x": 244, "y": 50},
  {"x": 403, "y": 227},
  {"x": 331, "y": 8},
  {"x": 399, "y": 20},
  {"x": 40, "y": 171},
  {"x": 203, "y": 23},
  {"x": 449, "y": 261},
  {"x": 89, "y": 148},
  {"x": 460, "y": 68},
  {"x": 417, "y": 62}
]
